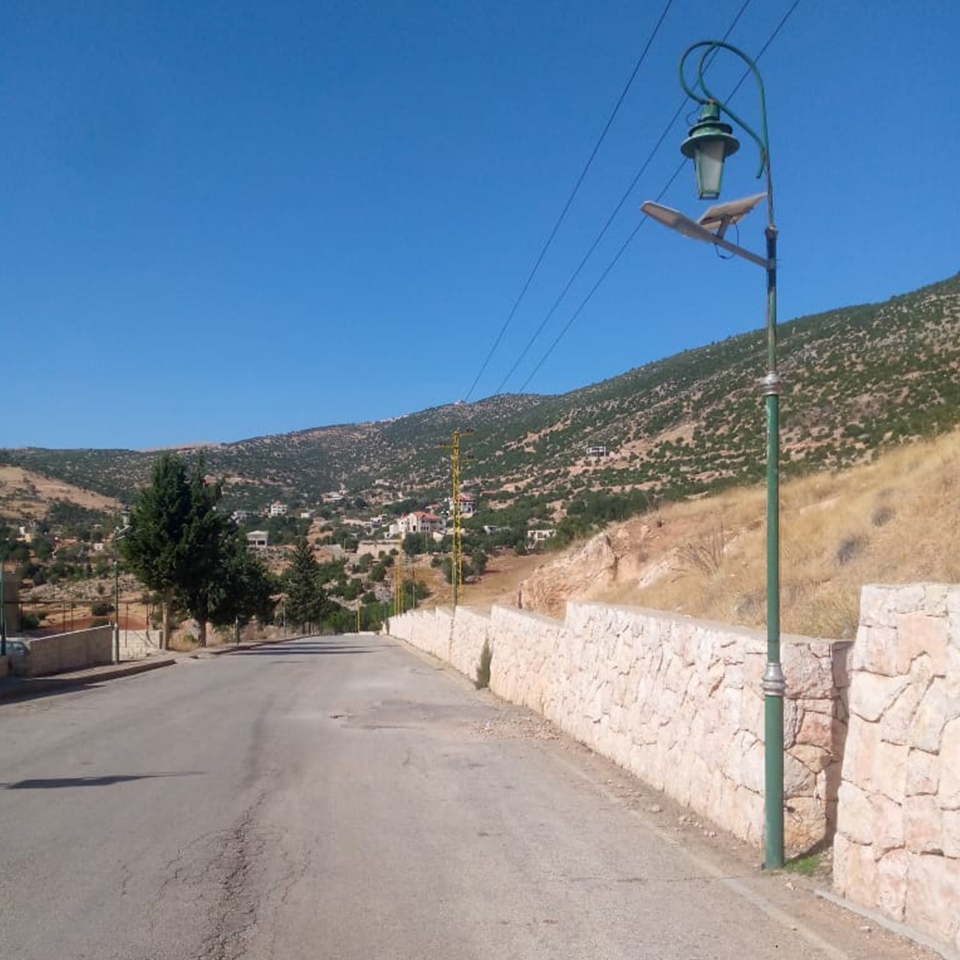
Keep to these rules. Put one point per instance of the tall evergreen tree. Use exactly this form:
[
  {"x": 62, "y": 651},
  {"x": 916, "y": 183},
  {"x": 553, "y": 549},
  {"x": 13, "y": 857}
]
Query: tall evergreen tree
[
  {"x": 306, "y": 604},
  {"x": 203, "y": 587},
  {"x": 179, "y": 545},
  {"x": 154, "y": 546},
  {"x": 245, "y": 584}
]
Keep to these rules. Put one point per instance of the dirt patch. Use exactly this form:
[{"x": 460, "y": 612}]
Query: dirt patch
[{"x": 25, "y": 493}]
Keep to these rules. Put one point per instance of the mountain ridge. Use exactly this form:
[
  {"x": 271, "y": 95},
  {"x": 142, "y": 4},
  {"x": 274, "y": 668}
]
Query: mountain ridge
[{"x": 856, "y": 379}]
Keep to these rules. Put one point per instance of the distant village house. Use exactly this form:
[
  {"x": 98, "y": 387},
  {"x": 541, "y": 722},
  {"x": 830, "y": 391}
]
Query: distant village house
[
  {"x": 539, "y": 535},
  {"x": 257, "y": 539}
]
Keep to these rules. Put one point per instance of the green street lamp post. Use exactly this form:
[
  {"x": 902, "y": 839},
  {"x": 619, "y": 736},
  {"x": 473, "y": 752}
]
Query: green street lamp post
[{"x": 709, "y": 143}]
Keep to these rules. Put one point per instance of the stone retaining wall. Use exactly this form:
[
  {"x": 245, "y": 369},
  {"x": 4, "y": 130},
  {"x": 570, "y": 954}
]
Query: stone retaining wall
[
  {"x": 65, "y": 651},
  {"x": 898, "y": 834},
  {"x": 676, "y": 701}
]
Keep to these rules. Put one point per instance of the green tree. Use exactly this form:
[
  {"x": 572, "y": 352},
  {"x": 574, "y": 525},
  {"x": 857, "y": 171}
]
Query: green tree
[
  {"x": 204, "y": 582},
  {"x": 155, "y": 546},
  {"x": 181, "y": 546},
  {"x": 245, "y": 584},
  {"x": 306, "y": 604},
  {"x": 415, "y": 543}
]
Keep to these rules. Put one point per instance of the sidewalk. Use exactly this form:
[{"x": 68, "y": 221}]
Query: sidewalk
[{"x": 18, "y": 688}]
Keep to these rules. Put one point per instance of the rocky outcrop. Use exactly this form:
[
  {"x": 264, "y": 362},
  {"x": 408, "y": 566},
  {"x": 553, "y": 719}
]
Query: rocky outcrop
[{"x": 593, "y": 566}]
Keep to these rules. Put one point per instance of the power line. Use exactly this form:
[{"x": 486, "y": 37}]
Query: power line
[
  {"x": 610, "y": 219},
  {"x": 643, "y": 219},
  {"x": 573, "y": 193}
]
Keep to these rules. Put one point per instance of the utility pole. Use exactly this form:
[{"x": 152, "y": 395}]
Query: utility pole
[
  {"x": 456, "y": 573},
  {"x": 116, "y": 607},
  {"x": 398, "y": 603},
  {"x": 3, "y": 605}
]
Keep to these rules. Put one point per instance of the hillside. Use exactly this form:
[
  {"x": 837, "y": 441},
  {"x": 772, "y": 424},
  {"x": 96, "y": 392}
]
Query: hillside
[
  {"x": 894, "y": 520},
  {"x": 27, "y": 494},
  {"x": 857, "y": 379}
]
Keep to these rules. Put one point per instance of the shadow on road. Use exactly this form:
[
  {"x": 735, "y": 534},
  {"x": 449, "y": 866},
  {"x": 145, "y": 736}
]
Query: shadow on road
[
  {"x": 55, "y": 783},
  {"x": 308, "y": 649}
]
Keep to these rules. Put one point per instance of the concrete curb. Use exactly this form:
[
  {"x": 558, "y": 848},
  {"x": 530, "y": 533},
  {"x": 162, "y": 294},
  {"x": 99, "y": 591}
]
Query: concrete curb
[
  {"x": 19, "y": 688},
  {"x": 16, "y": 688}
]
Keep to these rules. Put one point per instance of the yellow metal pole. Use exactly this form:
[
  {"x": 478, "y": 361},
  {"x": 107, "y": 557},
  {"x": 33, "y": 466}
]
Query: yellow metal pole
[
  {"x": 457, "y": 517},
  {"x": 400, "y": 579}
]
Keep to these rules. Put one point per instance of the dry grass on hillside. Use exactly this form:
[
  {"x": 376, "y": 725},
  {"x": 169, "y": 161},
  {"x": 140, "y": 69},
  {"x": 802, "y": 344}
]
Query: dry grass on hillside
[
  {"x": 499, "y": 584},
  {"x": 892, "y": 521},
  {"x": 28, "y": 494}
]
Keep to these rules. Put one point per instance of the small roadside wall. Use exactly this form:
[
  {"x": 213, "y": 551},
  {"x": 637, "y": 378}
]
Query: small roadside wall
[
  {"x": 138, "y": 644},
  {"x": 676, "y": 701},
  {"x": 65, "y": 651},
  {"x": 897, "y": 847}
]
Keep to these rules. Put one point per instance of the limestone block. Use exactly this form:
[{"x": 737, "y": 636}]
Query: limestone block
[
  {"x": 804, "y": 825},
  {"x": 854, "y": 871},
  {"x": 875, "y": 650},
  {"x": 923, "y": 773},
  {"x": 860, "y": 754},
  {"x": 871, "y": 694},
  {"x": 890, "y": 773},
  {"x": 919, "y": 633},
  {"x": 933, "y": 896},
  {"x": 732, "y": 674},
  {"x": 953, "y": 668},
  {"x": 892, "y": 883},
  {"x": 729, "y": 705},
  {"x": 814, "y": 758},
  {"x": 791, "y": 721},
  {"x": 953, "y": 602},
  {"x": 907, "y": 599},
  {"x": 874, "y": 604},
  {"x": 746, "y": 815},
  {"x": 935, "y": 601},
  {"x": 752, "y": 769},
  {"x": 922, "y": 825},
  {"x": 751, "y": 712},
  {"x": 886, "y": 824},
  {"x": 841, "y": 657},
  {"x": 798, "y": 779},
  {"x": 949, "y": 792},
  {"x": 807, "y": 675},
  {"x": 819, "y": 730},
  {"x": 897, "y": 721},
  {"x": 754, "y": 665},
  {"x": 934, "y": 711},
  {"x": 950, "y": 833}
]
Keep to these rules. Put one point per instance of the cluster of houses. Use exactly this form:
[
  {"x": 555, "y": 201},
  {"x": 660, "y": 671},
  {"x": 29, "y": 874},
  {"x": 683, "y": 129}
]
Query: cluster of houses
[{"x": 425, "y": 522}]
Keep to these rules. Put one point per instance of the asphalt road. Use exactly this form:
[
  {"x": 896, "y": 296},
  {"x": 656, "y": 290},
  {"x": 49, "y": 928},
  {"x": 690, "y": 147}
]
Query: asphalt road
[{"x": 341, "y": 798}]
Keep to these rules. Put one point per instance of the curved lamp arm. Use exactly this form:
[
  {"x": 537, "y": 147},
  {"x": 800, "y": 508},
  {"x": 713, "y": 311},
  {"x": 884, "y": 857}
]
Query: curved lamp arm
[{"x": 708, "y": 95}]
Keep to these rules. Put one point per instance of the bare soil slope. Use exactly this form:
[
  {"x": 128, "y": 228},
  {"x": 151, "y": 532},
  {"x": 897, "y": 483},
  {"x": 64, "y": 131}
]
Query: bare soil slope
[
  {"x": 29, "y": 495},
  {"x": 895, "y": 520}
]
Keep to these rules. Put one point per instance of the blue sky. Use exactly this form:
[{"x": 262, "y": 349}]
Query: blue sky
[{"x": 229, "y": 219}]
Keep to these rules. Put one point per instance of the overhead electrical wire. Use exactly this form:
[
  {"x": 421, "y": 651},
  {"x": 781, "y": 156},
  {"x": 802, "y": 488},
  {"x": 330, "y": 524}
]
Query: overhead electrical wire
[
  {"x": 609, "y": 220},
  {"x": 570, "y": 198},
  {"x": 643, "y": 219}
]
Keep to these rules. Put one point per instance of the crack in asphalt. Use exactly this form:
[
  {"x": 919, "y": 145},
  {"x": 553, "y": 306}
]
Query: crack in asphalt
[{"x": 234, "y": 913}]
